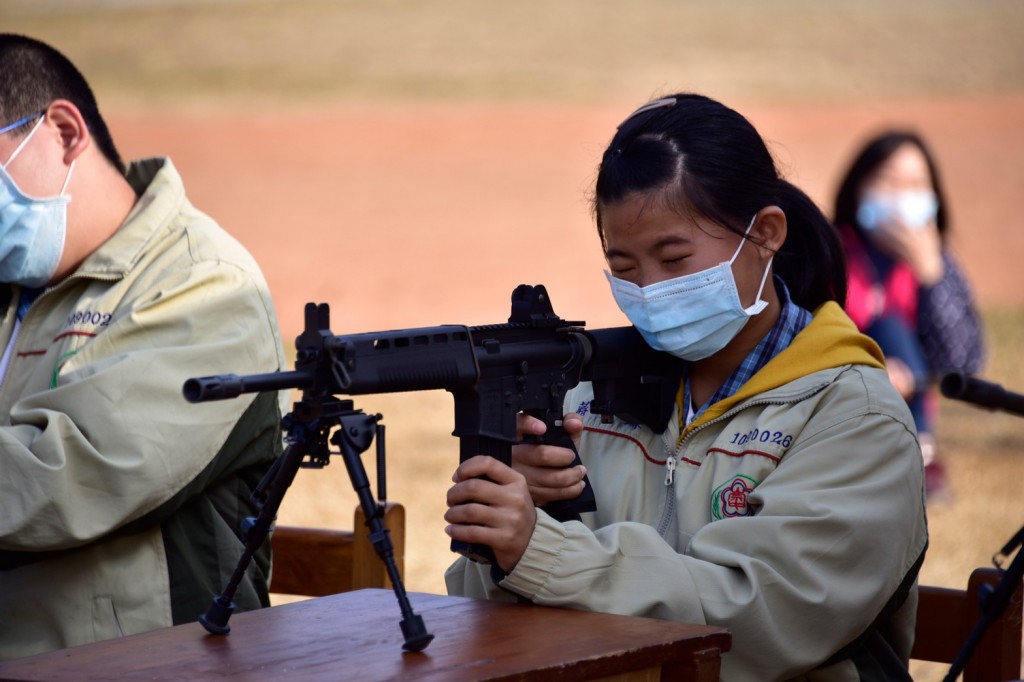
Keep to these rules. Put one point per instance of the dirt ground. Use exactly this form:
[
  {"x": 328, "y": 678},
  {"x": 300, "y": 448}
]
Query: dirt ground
[{"x": 404, "y": 217}]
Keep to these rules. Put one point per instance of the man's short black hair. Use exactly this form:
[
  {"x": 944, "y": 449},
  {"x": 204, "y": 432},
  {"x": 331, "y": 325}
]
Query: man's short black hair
[{"x": 33, "y": 74}]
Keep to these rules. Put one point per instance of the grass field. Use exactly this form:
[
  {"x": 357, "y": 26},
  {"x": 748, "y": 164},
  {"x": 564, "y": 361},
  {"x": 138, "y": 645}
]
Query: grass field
[{"x": 240, "y": 92}]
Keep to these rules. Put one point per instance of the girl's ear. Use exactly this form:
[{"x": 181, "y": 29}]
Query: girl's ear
[{"x": 769, "y": 231}]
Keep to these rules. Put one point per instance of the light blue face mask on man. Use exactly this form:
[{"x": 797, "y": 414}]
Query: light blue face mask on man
[
  {"x": 693, "y": 316},
  {"x": 32, "y": 229}
]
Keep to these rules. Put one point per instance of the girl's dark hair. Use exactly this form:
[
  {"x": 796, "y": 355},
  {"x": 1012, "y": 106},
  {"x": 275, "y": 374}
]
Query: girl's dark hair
[
  {"x": 707, "y": 158},
  {"x": 32, "y": 75},
  {"x": 873, "y": 154}
]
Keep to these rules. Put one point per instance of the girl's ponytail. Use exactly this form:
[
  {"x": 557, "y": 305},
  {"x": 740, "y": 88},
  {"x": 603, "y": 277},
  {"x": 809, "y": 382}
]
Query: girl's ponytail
[{"x": 811, "y": 259}]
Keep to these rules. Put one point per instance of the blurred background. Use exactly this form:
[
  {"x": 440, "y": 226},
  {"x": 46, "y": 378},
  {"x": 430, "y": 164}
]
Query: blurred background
[{"x": 411, "y": 162}]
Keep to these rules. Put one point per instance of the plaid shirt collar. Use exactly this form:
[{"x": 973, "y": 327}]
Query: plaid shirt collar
[{"x": 792, "y": 319}]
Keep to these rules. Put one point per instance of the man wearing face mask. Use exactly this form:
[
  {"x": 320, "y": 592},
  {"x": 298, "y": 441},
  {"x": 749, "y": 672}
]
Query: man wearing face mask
[
  {"x": 904, "y": 287},
  {"x": 120, "y": 503}
]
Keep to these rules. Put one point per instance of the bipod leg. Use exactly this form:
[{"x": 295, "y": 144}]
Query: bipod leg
[
  {"x": 280, "y": 477},
  {"x": 993, "y": 604},
  {"x": 353, "y": 438}
]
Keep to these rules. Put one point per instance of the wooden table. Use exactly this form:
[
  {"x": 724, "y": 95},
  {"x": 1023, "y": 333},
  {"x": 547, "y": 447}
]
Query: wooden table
[{"x": 356, "y": 636}]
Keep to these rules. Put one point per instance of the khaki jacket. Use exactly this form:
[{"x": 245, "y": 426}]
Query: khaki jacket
[
  {"x": 794, "y": 514},
  {"x": 120, "y": 502}
]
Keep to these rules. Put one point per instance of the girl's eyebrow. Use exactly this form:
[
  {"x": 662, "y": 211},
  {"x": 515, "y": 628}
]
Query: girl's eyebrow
[{"x": 668, "y": 240}]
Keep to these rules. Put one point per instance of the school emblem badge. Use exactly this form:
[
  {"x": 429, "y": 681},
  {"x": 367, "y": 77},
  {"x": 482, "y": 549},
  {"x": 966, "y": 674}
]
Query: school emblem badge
[{"x": 730, "y": 499}]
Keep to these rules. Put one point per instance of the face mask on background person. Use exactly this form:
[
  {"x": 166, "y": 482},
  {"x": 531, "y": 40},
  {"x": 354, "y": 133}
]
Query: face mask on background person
[
  {"x": 693, "y": 316},
  {"x": 32, "y": 229},
  {"x": 915, "y": 208}
]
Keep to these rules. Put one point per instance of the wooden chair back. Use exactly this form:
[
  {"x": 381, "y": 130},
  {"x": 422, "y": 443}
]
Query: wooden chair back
[
  {"x": 945, "y": 618},
  {"x": 317, "y": 561}
]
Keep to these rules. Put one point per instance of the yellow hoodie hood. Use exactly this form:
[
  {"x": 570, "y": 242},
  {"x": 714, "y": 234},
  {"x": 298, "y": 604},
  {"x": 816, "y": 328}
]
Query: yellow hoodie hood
[{"x": 830, "y": 340}]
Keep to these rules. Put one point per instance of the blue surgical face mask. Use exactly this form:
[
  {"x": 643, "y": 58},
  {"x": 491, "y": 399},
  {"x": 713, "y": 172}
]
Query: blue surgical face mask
[
  {"x": 693, "y": 316},
  {"x": 915, "y": 208},
  {"x": 32, "y": 229}
]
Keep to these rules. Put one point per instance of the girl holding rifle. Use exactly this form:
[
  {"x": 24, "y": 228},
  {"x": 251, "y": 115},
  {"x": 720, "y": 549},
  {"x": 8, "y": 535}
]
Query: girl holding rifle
[{"x": 784, "y": 498}]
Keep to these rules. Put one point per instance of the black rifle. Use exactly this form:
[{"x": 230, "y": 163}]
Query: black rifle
[{"x": 494, "y": 372}]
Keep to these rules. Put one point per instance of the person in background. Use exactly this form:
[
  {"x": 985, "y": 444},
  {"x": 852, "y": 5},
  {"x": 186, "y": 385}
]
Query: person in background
[
  {"x": 783, "y": 499},
  {"x": 905, "y": 289},
  {"x": 121, "y": 504}
]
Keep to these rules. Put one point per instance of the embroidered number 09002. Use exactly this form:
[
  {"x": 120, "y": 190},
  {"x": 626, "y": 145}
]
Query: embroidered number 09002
[{"x": 88, "y": 317}]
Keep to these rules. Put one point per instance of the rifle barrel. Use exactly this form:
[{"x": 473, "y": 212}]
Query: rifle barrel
[{"x": 223, "y": 386}]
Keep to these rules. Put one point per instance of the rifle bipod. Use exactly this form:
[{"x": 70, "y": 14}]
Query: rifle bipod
[{"x": 308, "y": 426}]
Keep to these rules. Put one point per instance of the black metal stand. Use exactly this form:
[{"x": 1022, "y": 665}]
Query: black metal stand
[
  {"x": 981, "y": 393},
  {"x": 308, "y": 427},
  {"x": 993, "y": 600},
  {"x": 993, "y": 603}
]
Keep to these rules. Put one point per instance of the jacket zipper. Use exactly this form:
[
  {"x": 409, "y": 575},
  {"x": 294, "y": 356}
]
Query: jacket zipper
[{"x": 672, "y": 459}]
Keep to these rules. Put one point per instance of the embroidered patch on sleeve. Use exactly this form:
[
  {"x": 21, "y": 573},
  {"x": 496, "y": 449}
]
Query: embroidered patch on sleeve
[{"x": 730, "y": 499}]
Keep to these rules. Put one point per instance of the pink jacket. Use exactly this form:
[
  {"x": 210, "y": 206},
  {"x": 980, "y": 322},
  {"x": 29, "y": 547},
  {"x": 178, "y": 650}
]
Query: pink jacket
[{"x": 868, "y": 296}]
